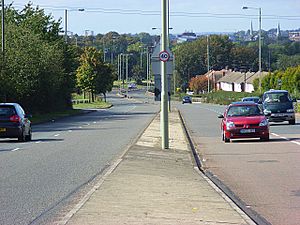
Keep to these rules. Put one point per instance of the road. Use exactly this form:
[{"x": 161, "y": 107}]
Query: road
[
  {"x": 264, "y": 175},
  {"x": 39, "y": 178}
]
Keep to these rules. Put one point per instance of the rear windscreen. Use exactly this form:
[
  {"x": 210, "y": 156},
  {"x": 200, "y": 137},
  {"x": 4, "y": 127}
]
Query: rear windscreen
[
  {"x": 6, "y": 111},
  {"x": 281, "y": 97}
]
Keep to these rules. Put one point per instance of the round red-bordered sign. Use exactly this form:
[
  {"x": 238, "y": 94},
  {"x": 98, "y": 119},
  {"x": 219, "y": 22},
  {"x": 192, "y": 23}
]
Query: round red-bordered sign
[{"x": 164, "y": 56}]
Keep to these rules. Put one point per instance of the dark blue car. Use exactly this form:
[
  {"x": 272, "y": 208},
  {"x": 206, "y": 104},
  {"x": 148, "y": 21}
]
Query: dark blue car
[
  {"x": 14, "y": 123},
  {"x": 186, "y": 99}
]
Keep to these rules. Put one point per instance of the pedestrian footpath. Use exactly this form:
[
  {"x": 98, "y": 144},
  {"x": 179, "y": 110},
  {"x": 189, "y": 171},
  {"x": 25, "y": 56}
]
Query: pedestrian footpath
[{"x": 152, "y": 186}]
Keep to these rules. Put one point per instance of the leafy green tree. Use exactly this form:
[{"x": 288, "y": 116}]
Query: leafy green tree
[
  {"x": 93, "y": 75},
  {"x": 38, "y": 65}
]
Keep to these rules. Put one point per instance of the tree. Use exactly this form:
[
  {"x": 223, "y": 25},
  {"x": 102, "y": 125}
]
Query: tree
[
  {"x": 36, "y": 71},
  {"x": 198, "y": 84},
  {"x": 93, "y": 75}
]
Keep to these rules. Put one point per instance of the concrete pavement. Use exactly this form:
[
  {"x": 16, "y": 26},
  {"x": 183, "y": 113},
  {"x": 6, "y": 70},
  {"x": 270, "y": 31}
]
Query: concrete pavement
[{"x": 148, "y": 185}]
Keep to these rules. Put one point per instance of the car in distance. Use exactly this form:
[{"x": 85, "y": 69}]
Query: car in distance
[
  {"x": 279, "y": 105},
  {"x": 251, "y": 99},
  {"x": 244, "y": 120},
  {"x": 186, "y": 99},
  {"x": 14, "y": 123}
]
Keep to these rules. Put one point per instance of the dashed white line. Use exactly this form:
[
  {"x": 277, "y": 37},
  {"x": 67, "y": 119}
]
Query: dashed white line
[
  {"x": 285, "y": 138},
  {"x": 275, "y": 134},
  {"x": 295, "y": 142},
  {"x": 16, "y": 149},
  {"x": 56, "y": 135}
]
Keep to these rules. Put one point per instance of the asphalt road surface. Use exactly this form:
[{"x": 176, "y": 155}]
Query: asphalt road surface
[
  {"x": 39, "y": 178},
  {"x": 264, "y": 175}
]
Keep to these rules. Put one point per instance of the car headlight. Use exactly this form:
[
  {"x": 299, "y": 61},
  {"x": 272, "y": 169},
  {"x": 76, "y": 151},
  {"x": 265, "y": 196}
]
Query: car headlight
[
  {"x": 290, "y": 110},
  {"x": 266, "y": 111},
  {"x": 229, "y": 125},
  {"x": 263, "y": 123}
]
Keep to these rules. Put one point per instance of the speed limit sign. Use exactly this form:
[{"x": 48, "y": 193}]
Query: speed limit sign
[{"x": 164, "y": 56}]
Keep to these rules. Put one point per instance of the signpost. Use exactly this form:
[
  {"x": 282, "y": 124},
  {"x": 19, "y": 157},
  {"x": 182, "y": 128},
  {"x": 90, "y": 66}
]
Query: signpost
[{"x": 164, "y": 56}]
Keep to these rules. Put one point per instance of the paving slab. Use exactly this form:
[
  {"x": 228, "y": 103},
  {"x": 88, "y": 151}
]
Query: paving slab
[{"x": 154, "y": 186}]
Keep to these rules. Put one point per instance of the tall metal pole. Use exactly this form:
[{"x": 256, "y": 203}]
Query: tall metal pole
[
  {"x": 2, "y": 26},
  {"x": 259, "y": 44},
  {"x": 147, "y": 71},
  {"x": 127, "y": 74},
  {"x": 164, "y": 85},
  {"x": 208, "y": 66},
  {"x": 123, "y": 66},
  {"x": 66, "y": 25},
  {"x": 104, "y": 53}
]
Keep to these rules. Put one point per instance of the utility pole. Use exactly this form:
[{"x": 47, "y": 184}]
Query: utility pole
[
  {"x": 147, "y": 70},
  {"x": 104, "y": 50},
  {"x": 2, "y": 26},
  {"x": 127, "y": 74},
  {"x": 66, "y": 25},
  {"x": 164, "y": 85},
  {"x": 259, "y": 43},
  {"x": 208, "y": 66}
]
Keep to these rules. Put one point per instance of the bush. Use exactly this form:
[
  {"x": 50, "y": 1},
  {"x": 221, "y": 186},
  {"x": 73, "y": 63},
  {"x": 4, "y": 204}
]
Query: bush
[{"x": 225, "y": 97}]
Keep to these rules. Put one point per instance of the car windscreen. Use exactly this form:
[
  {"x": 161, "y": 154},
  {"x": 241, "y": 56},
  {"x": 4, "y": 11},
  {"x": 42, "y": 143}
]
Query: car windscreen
[
  {"x": 276, "y": 97},
  {"x": 7, "y": 111},
  {"x": 247, "y": 110}
]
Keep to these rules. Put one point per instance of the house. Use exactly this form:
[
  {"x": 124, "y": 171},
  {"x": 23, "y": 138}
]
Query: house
[
  {"x": 238, "y": 81},
  {"x": 215, "y": 75}
]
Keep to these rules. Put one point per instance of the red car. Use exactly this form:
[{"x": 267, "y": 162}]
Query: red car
[{"x": 244, "y": 120}]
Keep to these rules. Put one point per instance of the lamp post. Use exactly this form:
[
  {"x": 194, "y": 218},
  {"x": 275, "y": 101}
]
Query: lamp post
[
  {"x": 259, "y": 42},
  {"x": 66, "y": 22},
  {"x": 208, "y": 66},
  {"x": 164, "y": 85},
  {"x": 2, "y": 26}
]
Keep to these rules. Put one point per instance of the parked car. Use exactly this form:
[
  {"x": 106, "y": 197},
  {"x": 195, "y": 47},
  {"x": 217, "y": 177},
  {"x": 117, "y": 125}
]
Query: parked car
[
  {"x": 244, "y": 120},
  {"x": 251, "y": 99},
  {"x": 278, "y": 105},
  {"x": 14, "y": 123},
  {"x": 186, "y": 99}
]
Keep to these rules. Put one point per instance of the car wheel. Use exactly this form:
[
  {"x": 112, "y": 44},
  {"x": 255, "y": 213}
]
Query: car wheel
[
  {"x": 29, "y": 136},
  {"x": 266, "y": 138},
  {"x": 226, "y": 140},
  {"x": 292, "y": 122},
  {"x": 22, "y": 137}
]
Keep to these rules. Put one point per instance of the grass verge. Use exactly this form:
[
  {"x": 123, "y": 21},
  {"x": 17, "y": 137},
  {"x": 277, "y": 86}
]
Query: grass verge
[
  {"x": 93, "y": 105},
  {"x": 45, "y": 117},
  {"x": 77, "y": 110}
]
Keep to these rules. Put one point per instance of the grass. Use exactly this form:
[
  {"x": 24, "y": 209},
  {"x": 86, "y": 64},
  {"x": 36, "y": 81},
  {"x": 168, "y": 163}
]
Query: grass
[
  {"x": 45, "y": 117},
  {"x": 77, "y": 110},
  {"x": 93, "y": 105}
]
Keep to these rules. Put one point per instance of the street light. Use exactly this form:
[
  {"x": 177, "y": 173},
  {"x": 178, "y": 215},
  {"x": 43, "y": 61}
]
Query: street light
[
  {"x": 66, "y": 21},
  {"x": 2, "y": 25},
  {"x": 259, "y": 42}
]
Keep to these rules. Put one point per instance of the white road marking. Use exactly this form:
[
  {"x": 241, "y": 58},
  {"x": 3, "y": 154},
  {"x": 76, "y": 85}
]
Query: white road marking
[
  {"x": 16, "y": 149},
  {"x": 295, "y": 142},
  {"x": 56, "y": 135},
  {"x": 285, "y": 138},
  {"x": 38, "y": 142},
  {"x": 70, "y": 131}
]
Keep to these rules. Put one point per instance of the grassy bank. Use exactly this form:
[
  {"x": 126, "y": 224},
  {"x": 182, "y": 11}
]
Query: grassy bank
[
  {"x": 77, "y": 110},
  {"x": 93, "y": 105}
]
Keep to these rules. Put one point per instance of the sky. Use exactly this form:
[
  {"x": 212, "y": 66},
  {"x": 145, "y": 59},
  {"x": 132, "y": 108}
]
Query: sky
[{"x": 199, "y": 16}]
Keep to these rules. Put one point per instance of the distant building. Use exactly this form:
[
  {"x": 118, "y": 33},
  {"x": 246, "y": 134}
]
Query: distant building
[
  {"x": 238, "y": 81},
  {"x": 186, "y": 37},
  {"x": 294, "y": 36}
]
